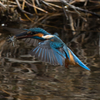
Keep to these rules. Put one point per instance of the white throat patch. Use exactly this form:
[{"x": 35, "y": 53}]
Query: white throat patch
[{"x": 47, "y": 36}]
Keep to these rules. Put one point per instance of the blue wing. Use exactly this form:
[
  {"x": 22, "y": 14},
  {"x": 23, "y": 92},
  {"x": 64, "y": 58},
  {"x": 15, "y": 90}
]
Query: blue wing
[
  {"x": 46, "y": 53},
  {"x": 73, "y": 58},
  {"x": 38, "y": 30}
]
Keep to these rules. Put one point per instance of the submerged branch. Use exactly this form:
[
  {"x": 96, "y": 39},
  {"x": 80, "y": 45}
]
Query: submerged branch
[{"x": 21, "y": 61}]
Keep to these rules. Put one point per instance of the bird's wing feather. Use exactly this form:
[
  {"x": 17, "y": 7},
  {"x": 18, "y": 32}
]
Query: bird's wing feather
[
  {"x": 71, "y": 55},
  {"x": 46, "y": 53}
]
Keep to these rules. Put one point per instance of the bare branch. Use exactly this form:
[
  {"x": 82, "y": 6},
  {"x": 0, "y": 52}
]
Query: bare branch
[
  {"x": 2, "y": 5},
  {"x": 22, "y": 9}
]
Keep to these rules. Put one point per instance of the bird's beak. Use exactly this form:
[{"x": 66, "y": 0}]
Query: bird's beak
[{"x": 24, "y": 35}]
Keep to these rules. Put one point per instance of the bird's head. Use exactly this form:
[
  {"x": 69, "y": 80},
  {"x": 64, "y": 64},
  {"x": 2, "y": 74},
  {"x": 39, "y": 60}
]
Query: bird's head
[{"x": 36, "y": 33}]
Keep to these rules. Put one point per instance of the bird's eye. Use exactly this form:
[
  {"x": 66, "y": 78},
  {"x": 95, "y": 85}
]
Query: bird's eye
[{"x": 30, "y": 33}]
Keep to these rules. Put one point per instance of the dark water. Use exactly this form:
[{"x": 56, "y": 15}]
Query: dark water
[{"x": 18, "y": 81}]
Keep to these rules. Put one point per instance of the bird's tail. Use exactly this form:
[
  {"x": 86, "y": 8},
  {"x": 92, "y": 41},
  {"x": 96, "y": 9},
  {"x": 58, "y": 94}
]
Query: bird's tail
[{"x": 72, "y": 57}]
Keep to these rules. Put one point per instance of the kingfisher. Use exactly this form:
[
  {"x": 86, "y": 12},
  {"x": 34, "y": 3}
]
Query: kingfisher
[{"x": 51, "y": 49}]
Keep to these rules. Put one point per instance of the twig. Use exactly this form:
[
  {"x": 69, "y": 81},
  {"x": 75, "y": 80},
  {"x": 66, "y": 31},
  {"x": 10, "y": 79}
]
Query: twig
[
  {"x": 52, "y": 15},
  {"x": 22, "y": 9},
  {"x": 28, "y": 18},
  {"x": 52, "y": 4},
  {"x": 71, "y": 6},
  {"x": 36, "y": 7},
  {"x": 23, "y": 5},
  {"x": 48, "y": 5},
  {"x": 39, "y": 20},
  {"x": 72, "y": 24},
  {"x": 12, "y": 2},
  {"x": 77, "y": 8},
  {"x": 7, "y": 6},
  {"x": 2, "y": 5},
  {"x": 86, "y": 11},
  {"x": 37, "y": 1},
  {"x": 10, "y": 5}
]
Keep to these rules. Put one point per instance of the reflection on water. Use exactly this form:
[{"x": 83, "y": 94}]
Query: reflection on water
[{"x": 19, "y": 82}]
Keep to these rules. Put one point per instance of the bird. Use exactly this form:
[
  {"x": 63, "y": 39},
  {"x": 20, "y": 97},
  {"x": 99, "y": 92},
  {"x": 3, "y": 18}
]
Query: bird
[{"x": 51, "y": 49}]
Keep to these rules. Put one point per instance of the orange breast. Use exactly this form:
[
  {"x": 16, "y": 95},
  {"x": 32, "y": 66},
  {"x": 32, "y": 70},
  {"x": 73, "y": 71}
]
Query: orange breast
[{"x": 70, "y": 61}]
